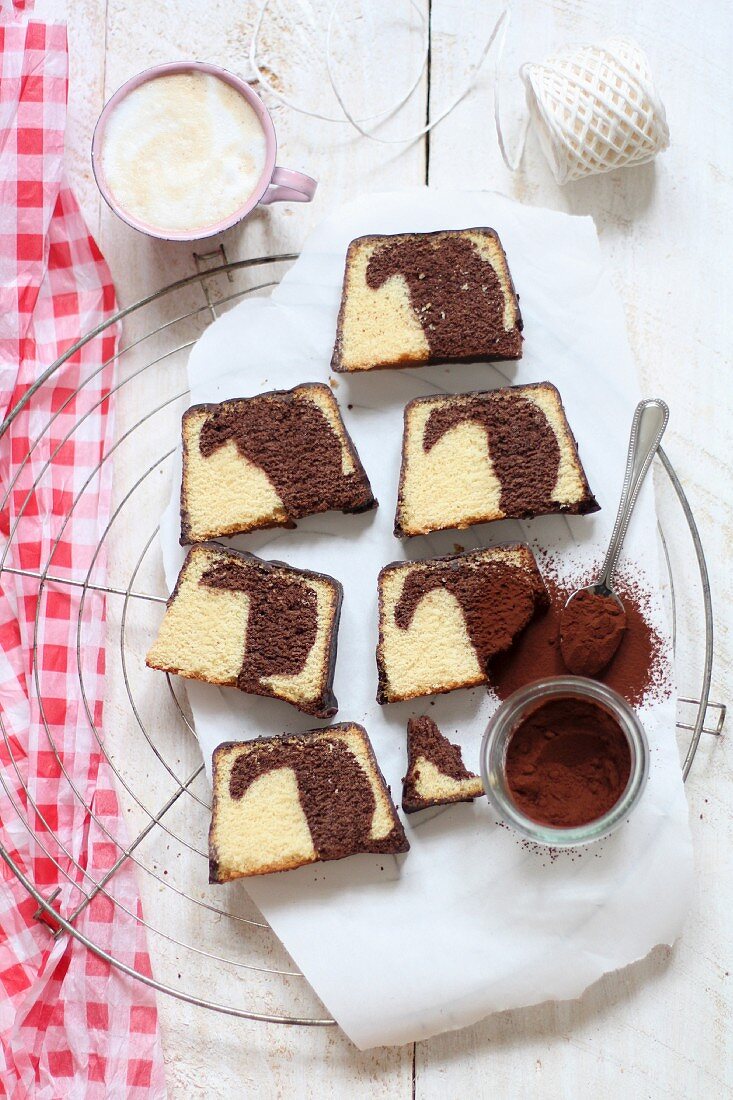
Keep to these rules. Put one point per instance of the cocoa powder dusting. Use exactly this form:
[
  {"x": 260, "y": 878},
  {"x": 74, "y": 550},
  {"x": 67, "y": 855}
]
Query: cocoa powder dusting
[
  {"x": 638, "y": 668},
  {"x": 497, "y": 600},
  {"x": 567, "y": 763},
  {"x": 591, "y": 628}
]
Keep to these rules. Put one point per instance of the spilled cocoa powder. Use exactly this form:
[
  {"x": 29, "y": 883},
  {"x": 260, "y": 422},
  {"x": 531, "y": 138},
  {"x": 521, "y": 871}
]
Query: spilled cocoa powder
[{"x": 637, "y": 670}]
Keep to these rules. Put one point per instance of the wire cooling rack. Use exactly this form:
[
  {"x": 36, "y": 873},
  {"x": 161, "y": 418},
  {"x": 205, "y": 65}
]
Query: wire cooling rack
[{"x": 203, "y": 937}]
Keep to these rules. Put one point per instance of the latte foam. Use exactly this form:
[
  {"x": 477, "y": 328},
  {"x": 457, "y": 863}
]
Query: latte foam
[{"x": 182, "y": 152}]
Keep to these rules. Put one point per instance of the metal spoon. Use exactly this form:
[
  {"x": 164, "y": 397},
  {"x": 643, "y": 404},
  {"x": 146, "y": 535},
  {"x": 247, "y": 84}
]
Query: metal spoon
[{"x": 647, "y": 429}]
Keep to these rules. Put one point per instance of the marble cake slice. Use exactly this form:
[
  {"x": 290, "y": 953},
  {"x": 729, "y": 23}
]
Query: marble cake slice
[
  {"x": 282, "y": 802},
  {"x": 474, "y": 457},
  {"x": 418, "y": 298},
  {"x": 442, "y": 620},
  {"x": 436, "y": 774},
  {"x": 259, "y": 626},
  {"x": 267, "y": 461}
]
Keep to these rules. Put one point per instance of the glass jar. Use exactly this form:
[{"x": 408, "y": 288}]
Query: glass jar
[{"x": 506, "y": 720}]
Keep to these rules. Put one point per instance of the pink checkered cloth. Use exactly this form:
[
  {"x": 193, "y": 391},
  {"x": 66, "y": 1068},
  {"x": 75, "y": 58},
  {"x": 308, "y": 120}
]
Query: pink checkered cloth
[{"x": 72, "y": 1026}]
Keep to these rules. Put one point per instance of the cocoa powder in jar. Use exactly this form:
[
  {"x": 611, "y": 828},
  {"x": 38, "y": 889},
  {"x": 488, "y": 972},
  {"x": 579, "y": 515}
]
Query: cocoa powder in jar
[{"x": 567, "y": 762}]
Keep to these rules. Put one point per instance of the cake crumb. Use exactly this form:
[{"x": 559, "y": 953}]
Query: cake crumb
[{"x": 333, "y": 383}]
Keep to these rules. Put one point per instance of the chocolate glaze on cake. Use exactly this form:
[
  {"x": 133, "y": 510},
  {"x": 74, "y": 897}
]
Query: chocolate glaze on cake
[
  {"x": 426, "y": 742},
  {"x": 456, "y": 295}
]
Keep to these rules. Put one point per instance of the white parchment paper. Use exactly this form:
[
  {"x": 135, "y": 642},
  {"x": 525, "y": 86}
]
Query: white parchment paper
[{"x": 470, "y": 921}]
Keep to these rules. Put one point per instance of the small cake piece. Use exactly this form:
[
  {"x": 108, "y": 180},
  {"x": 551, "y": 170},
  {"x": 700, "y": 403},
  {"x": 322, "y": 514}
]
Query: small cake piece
[
  {"x": 267, "y": 461},
  {"x": 418, "y": 298},
  {"x": 260, "y": 626},
  {"x": 442, "y": 620},
  {"x": 474, "y": 457},
  {"x": 436, "y": 774},
  {"x": 281, "y": 802}
]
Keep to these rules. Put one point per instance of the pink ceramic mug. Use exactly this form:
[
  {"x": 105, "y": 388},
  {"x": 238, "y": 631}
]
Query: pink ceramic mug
[{"x": 274, "y": 185}]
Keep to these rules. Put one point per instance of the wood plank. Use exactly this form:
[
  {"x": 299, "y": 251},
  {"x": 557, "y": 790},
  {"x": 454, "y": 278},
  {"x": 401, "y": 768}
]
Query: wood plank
[
  {"x": 207, "y": 1053},
  {"x": 657, "y": 1028}
]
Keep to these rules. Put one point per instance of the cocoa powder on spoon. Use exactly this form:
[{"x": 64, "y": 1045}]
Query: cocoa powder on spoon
[{"x": 591, "y": 628}]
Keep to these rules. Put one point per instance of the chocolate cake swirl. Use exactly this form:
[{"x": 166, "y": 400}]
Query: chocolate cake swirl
[
  {"x": 264, "y": 627},
  {"x": 429, "y": 645},
  {"x": 251, "y": 463},
  {"x": 455, "y": 293},
  {"x": 283, "y": 802},
  {"x": 334, "y": 791},
  {"x": 436, "y": 774},
  {"x": 522, "y": 447},
  {"x": 282, "y": 623},
  {"x": 293, "y": 443}
]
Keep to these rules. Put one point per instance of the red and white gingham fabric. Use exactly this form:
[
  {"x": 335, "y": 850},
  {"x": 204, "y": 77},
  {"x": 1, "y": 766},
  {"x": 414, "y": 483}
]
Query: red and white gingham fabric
[{"x": 71, "y": 1026}]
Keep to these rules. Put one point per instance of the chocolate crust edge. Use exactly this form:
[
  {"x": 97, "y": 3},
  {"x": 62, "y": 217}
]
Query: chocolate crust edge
[
  {"x": 583, "y": 507},
  {"x": 406, "y": 364},
  {"x": 368, "y": 238},
  {"x": 289, "y": 523},
  {"x": 413, "y": 807},
  {"x": 337, "y": 354}
]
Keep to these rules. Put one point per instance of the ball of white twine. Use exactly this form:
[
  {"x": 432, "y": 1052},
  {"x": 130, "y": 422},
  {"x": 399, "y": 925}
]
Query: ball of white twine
[{"x": 595, "y": 109}]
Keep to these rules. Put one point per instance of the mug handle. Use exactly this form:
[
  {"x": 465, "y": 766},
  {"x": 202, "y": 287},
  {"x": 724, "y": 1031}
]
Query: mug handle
[{"x": 289, "y": 186}]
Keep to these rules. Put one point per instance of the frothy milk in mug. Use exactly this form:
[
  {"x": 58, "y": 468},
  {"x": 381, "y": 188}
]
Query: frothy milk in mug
[{"x": 183, "y": 151}]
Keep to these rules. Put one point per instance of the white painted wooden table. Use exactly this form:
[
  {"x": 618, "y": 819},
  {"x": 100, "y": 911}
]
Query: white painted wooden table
[{"x": 660, "y": 1028}]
